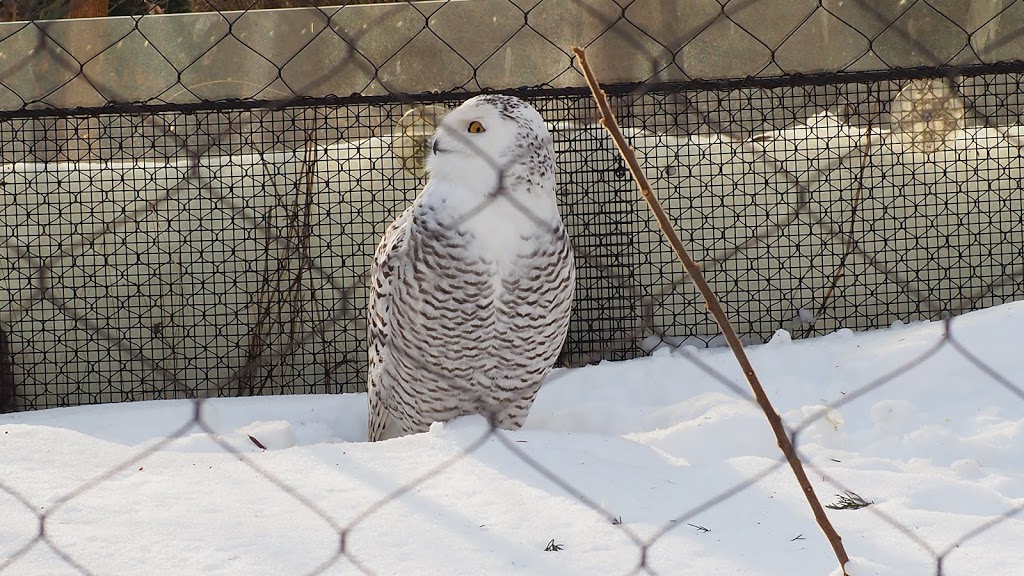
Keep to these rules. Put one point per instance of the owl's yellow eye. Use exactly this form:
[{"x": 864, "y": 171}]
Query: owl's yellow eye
[{"x": 476, "y": 127}]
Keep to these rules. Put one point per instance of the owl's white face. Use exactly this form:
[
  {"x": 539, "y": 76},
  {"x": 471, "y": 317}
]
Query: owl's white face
[
  {"x": 484, "y": 136},
  {"x": 493, "y": 158}
]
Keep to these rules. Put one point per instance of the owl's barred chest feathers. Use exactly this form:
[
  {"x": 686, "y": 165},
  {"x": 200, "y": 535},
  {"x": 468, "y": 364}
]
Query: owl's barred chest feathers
[
  {"x": 480, "y": 323},
  {"x": 496, "y": 263}
]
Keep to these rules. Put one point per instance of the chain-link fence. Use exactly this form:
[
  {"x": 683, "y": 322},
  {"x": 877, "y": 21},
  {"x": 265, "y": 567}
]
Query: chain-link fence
[{"x": 190, "y": 204}]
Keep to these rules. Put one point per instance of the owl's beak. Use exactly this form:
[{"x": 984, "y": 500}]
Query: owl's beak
[{"x": 435, "y": 148}]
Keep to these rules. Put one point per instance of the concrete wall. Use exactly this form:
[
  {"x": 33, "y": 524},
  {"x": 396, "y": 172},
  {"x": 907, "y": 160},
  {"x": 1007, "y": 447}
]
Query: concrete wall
[
  {"x": 175, "y": 287},
  {"x": 170, "y": 289},
  {"x": 477, "y": 44},
  {"x": 827, "y": 226}
]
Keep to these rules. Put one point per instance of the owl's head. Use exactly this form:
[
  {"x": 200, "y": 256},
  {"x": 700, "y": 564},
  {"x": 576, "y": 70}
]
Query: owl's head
[{"x": 490, "y": 135}]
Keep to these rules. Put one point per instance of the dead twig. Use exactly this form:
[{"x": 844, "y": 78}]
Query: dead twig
[
  {"x": 848, "y": 501},
  {"x": 849, "y": 241},
  {"x": 691, "y": 267}
]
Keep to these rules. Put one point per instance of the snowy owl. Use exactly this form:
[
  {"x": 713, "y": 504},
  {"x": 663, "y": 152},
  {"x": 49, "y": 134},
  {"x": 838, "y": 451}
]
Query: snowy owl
[{"x": 471, "y": 287}]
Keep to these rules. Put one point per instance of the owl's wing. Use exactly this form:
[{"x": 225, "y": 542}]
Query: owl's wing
[{"x": 387, "y": 259}]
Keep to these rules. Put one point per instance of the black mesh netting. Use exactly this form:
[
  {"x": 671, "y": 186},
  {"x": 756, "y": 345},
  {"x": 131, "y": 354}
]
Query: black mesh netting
[{"x": 222, "y": 251}]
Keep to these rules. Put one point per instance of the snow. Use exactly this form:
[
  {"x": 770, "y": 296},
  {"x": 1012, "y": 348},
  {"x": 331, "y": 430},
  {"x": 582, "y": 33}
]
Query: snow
[{"x": 671, "y": 444}]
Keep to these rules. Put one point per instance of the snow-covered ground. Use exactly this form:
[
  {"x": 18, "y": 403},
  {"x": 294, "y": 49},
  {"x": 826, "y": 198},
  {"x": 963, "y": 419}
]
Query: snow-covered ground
[{"x": 671, "y": 446}]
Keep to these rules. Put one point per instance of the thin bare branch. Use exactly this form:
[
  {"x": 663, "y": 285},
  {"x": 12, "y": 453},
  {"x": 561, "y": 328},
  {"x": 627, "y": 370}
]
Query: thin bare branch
[{"x": 714, "y": 306}]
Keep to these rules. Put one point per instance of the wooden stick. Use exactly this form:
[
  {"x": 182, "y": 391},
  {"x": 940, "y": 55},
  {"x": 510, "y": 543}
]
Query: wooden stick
[{"x": 611, "y": 125}]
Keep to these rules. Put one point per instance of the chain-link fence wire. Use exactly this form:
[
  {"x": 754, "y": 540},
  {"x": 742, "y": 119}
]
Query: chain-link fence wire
[
  {"x": 53, "y": 9},
  {"x": 131, "y": 228}
]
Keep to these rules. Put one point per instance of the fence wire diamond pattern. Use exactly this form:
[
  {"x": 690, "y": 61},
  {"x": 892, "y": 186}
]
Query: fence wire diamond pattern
[{"x": 193, "y": 216}]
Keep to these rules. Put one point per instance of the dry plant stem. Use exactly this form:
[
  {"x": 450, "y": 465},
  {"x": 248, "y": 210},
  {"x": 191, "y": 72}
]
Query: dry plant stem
[
  {"x": 849, "y": 240},
  {"x": 610, "y": 124}
]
